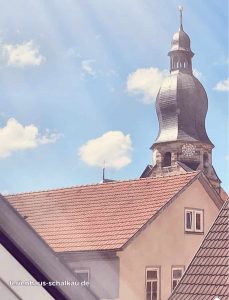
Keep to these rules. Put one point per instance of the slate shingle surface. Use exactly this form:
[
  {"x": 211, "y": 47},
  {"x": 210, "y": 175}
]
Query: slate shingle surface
[
  {"x": 96, "y": 217},
  {"x": 207, "y": 276}
]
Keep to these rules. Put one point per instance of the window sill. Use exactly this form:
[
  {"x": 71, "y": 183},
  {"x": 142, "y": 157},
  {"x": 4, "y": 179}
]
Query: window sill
[{"x": 194, "y": 232}]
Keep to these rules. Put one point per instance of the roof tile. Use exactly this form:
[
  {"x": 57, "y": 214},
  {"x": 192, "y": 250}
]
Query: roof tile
[{"x": 97, "y": 217}]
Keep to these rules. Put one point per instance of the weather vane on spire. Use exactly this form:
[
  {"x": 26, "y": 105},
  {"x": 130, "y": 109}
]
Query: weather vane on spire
[{"x": 180, "y": 7}]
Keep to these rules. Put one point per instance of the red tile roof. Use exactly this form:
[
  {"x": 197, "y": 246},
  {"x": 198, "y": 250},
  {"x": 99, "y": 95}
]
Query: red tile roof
[
  {"x": 96, "y": 217},
  {"x": 207, "y": 276}
]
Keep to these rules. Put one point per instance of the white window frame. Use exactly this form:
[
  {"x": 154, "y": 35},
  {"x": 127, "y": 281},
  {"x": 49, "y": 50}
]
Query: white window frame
[
  {"x": 194, "y": 212},
  {"x": 81, "y": 271},
  {"x": 185, "y": 220},
  {"x": 174, "y": 268},
  {"x": 158, "y": 280},
  {"x": 201, "y": 213}
]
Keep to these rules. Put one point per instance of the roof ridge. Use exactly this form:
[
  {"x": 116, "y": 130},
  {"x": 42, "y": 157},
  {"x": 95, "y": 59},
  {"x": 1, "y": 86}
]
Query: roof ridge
[{"x": 100, "y": 184}]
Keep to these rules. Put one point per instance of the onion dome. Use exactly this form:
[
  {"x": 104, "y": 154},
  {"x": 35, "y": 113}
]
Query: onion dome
[
  {"x": 181, "y": 41},
  {"x": 182, "y": 106}
]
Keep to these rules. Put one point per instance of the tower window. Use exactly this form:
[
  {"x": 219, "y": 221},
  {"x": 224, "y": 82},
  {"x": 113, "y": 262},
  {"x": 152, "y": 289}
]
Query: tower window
[
  {"x": 167, "y": 159},
  {"x": 205, "y": 159}
]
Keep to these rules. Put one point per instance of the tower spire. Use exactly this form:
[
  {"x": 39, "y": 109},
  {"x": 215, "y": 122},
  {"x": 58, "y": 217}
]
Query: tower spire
[{"x": 180, "y": 7}]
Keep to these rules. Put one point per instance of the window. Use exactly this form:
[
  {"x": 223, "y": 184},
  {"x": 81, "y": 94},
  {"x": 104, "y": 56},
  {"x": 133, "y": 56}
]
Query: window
[
  {"x": 152, "y": 283},
  {"x": 82, "y": 275},
  {"x": 177, "y": 273},
  {"x": 167, "y": 159},
  {"x": 205, "y": 160},
  {"x": 194, "y": 220}
]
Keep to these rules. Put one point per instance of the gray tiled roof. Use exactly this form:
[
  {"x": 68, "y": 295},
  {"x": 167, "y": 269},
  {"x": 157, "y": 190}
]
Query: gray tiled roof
[{"x": 207, "y": 276}]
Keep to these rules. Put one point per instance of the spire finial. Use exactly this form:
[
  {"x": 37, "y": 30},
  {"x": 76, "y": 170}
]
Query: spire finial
[{"x": 180, "y": 7}]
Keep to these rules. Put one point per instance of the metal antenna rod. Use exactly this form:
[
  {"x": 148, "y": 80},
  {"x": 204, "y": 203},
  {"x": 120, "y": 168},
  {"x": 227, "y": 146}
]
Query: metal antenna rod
[{"x": 104, "y": 166}]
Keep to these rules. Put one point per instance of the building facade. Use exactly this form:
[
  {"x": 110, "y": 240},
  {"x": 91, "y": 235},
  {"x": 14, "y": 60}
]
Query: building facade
[
  {"x": 152, "y": 265},
  {"x": 117, "y": 235}
]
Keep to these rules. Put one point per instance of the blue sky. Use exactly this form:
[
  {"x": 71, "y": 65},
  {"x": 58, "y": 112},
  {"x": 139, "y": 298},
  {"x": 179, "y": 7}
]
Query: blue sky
[{"x": 75, "y": 86}]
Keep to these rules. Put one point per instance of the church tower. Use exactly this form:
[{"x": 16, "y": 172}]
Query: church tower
[{"x": 182, "y": 144}]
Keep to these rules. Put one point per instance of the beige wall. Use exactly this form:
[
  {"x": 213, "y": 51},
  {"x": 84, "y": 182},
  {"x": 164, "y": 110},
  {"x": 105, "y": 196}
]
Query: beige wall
[
  {"x": 163, "y": 243},
  {"x": 103, "y": 274}
]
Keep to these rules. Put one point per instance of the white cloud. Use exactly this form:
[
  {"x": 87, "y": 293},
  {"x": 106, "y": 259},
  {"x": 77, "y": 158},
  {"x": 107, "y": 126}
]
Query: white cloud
[
  {"x": 113, "y": 147},
  {"x": 222, "y": 86},
  {"x": 21, "y": 55},
  {"x": 87, "y": 67},
  {"x": 14, "y": 137},
  {"x": 197, "y": 74},
  {"x": 146, "y": 81}
]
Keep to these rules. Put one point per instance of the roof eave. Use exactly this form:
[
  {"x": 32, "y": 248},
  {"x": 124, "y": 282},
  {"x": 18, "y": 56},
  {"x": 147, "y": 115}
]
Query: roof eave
[{"x": 211, "y": 190}]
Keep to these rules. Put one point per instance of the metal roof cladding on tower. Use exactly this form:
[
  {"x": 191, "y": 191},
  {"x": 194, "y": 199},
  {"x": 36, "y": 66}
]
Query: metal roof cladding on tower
[
  {"x": 182, "y": 144},
  {"x": 182, "y": 101}
]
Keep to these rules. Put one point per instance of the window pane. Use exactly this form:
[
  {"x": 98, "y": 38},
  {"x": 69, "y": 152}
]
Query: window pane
[
  {"x": 148, "y": 290},
  {"x": 148, "y": 287},
  {"x": 198, "y": 218},
  {"x": 82, "y": 276},
  {"x": 189, "y": 220},
  {"x": 177, "y": 274},
  {"x": 148, "y": 296},
  {"x": 174, "y": 284},
  {"x": 152, "y": 274},
  {"x": 154, "y": 294}
]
